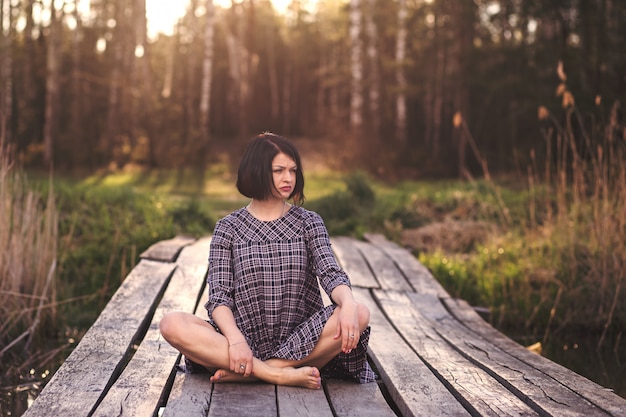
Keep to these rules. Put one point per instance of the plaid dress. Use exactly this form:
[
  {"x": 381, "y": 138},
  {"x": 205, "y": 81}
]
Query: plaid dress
[{"x": 267, "y": 273}]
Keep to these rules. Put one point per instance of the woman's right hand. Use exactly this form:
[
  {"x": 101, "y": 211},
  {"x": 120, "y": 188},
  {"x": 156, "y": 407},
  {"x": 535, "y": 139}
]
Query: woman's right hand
[{"x": 240, "y": 356}]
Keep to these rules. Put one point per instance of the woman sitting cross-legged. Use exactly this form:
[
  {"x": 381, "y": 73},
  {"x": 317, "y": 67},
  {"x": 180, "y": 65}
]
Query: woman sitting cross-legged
[{"x": 267, "y": 320}]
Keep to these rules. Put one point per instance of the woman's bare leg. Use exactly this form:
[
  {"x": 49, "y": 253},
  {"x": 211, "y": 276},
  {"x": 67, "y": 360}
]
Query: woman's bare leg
[{"x": 198, "y": 341}]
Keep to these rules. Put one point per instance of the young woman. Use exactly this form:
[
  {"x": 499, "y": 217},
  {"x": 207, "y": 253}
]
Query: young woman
[{"x": 266, "y": 317}]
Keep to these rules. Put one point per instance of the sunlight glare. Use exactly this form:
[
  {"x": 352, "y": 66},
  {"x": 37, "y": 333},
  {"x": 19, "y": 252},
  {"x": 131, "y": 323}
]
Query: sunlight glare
[{"x": 163, "y": 14}]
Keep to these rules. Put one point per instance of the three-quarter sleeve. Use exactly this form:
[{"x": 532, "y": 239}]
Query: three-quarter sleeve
[
  {"x": 323, "y": 260},
  {"x": 220, "y": 278}
]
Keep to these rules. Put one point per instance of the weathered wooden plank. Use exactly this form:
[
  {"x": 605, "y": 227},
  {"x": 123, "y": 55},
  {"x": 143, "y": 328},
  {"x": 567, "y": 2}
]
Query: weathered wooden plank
[
  {"x": 166, "y": 250},
  {"x": 302, "y": 402},
  {"x": 195, "y": 255},
  {"x": 190, "y": 395},
  {"x": 594, "y": 393},
  {"x": 357, "y": 400},
  {"x": 475, "y": 388},
  {"x": 138, "y": 390},
  {"x": 411, "y": 384},
  {"x": 243, "y": 400},
  {"x": 100, "y": 354},
  {"x": 543, "y": 393},
  {"x": 385, "y": 270},
  {"x": 351, "y": 259},
  {"x": 417, "y": 274}
]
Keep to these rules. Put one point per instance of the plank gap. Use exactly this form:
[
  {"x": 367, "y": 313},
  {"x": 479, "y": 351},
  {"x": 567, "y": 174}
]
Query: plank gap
[
  {"x": 167, "y": 388},
  {"x": 328, "y": 399},
  {"x": 142, "y": 330},
  {"x": 457, "y": 395},
  {"x": 387, "y": 395}
]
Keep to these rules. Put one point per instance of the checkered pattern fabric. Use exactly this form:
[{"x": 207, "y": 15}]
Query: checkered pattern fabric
[{"x": 266, "y": 273}]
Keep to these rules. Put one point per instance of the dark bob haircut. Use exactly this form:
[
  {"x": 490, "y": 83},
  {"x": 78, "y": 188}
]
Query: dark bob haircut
[{"x": 254, "y": 177}]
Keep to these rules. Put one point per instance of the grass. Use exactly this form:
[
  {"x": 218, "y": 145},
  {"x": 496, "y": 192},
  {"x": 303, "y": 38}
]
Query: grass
[{"x": 555, "y": 261}]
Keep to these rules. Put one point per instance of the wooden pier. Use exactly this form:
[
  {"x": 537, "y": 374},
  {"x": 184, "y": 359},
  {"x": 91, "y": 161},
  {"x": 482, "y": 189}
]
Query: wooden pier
[{"x": 434, "y": 355}]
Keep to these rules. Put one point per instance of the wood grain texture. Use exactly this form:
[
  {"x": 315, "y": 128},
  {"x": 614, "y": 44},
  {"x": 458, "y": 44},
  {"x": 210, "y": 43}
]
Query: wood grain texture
[
  {"x": 190, "y": 395},
  {"x": 596, "y": 394},
  {"x": 351, "y": 260},
  {"x": 302, "y": 402},
  {"x": 99, "y": 357},
  {"x": 243, "y": 400},
  {"x": 138, "y": 390},
  {"x": 414, "y": 388},
  {"x": 166, "y": 250},
  {"x": 540, "y": 391},
  {"x": 385, "y": 270},
  {"x": 357, "y": 400},
  {"x": 416, "y": 274},
  {"x": 472, "y": 386}
]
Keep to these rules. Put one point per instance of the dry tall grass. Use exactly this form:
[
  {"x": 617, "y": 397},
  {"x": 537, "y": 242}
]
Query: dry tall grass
[
  {"x": 581, "y": 211},
  {"x": 568, "y": 250},
  {"x": 28, "y": 235}
]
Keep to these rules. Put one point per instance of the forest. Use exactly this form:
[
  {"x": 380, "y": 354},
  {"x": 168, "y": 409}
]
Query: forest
[
  {"x": 423, "y": 86},
  {"x": 497, "y": 123}
]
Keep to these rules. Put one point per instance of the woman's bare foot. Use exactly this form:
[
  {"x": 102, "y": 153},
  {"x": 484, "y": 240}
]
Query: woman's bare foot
[
  {"x": 307, "y": 377},
  {"x": 223, "y": 375}
]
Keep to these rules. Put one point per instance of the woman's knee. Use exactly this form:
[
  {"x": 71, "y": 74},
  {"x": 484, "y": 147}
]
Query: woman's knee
[{"x": 171, "y": 324}]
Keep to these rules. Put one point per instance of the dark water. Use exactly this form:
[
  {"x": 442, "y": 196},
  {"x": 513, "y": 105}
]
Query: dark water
[{"x": 606, "y": 366}]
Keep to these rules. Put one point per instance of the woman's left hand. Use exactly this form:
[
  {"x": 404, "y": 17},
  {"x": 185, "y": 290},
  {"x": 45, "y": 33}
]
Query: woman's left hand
[{"x": 348, "y": 326}]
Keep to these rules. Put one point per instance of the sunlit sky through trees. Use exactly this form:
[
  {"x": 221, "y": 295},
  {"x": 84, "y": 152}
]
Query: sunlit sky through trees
[{"x": 163, "y": 14}]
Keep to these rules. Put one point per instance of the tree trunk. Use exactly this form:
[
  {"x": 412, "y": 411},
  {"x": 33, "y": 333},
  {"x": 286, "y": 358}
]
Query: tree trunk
[
  {"x": 144, "y": 132},
  {"x": 191, "y": 85},
  {"x": 207, "y": 72},
  {"x": 401, "y": 83},
  {"x": 273, "y": 76},
  {"x": 6, "y": 71},
  {"x": 113, "y": 127},
  {"x": 438, "y": 99},
  {"x": 462, "y": 24},
  {"x": 333, "y": 94},
  {"x": 356, "y": 65},
  {"x": 77, "y": 94},
  {"x": 374, "y": 73},
  {"x": 52, "y": 85},
  {"x": 287, "y": 105},
  {"x": 242, "y": 65}
]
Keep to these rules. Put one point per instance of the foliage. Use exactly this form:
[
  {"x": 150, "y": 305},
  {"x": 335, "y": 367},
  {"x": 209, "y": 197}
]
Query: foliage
[
  {"x": 565, "y": 246},
  {"x": 191, "y": 218},
  {"x": 104, "y": 229},
  {"x": 347, "y": 212}
]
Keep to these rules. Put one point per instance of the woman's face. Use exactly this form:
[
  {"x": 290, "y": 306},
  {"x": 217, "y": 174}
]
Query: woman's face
[{"x": 284, "y": 175}]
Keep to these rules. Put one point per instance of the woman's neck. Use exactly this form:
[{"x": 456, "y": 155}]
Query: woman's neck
[{"x": 267, "y": 210}]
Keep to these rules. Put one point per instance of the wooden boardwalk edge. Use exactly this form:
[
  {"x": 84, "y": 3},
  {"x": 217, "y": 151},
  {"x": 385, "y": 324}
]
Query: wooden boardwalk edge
[{"x": 435, "y": 356}]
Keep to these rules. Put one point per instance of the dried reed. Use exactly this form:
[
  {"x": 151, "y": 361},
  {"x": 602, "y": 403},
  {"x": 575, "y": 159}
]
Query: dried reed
[
  {"x": 584, "y": 212},
  {"x": 28, "y": 235}
]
